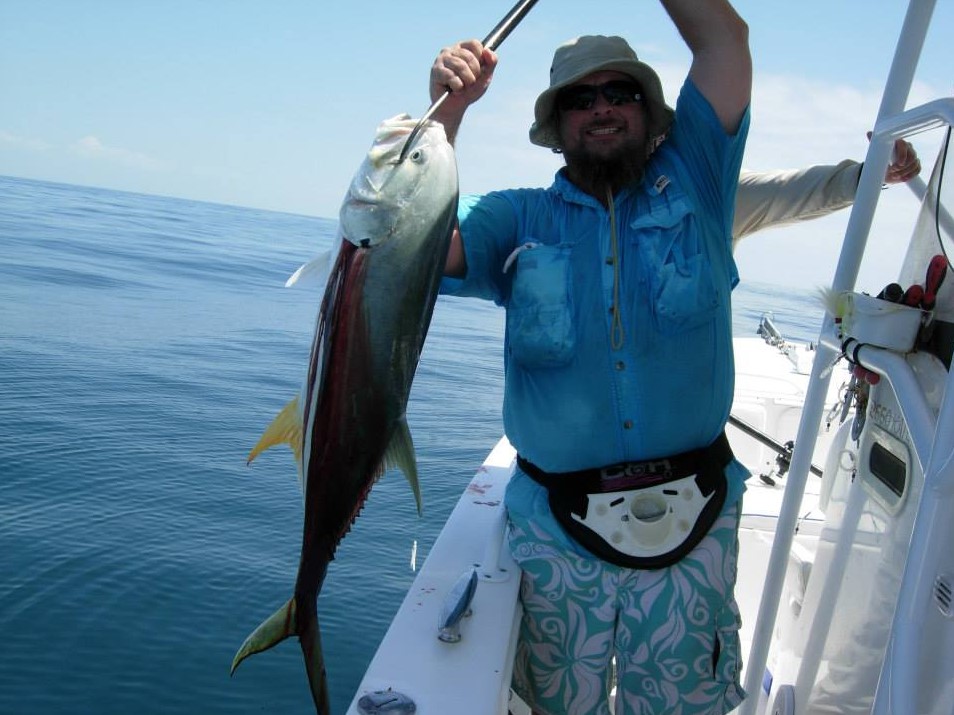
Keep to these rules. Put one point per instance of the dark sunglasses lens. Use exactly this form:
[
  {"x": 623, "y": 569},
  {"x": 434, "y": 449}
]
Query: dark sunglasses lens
[
  {"x": 583, "y": 96},
  {"x": 620, "y": 92},
  {"x": 577, "y": 98}
]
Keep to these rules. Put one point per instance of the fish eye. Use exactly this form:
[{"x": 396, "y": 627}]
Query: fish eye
[{"x": 417, "y": 156}]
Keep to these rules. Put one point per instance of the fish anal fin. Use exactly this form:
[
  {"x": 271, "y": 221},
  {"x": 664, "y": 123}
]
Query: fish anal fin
[
  {"x": 284, "y": 429},
  {"x": 400, "y": 455},
  {"x": 276, "y": 628}
]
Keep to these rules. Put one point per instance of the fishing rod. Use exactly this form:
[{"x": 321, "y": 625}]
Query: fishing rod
[
  {"x": 491, "y": 42},
  {"x": 759, "y": 436}
]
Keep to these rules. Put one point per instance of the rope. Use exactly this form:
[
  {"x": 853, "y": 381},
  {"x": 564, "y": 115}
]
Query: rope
[{"x": 617, "y": 334}]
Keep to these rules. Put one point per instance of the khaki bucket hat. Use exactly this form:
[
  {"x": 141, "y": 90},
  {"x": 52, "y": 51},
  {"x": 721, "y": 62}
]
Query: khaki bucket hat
[{"x": 577, "y": 58}]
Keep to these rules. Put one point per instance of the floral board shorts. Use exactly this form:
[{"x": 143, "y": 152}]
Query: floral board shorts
[{"x": 672, "y": 632}]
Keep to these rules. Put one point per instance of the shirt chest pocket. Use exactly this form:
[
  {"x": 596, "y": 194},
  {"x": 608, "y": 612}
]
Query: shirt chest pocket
[
  {"x": 677, "y": 273},
  {"x": 540, "y": 329}
]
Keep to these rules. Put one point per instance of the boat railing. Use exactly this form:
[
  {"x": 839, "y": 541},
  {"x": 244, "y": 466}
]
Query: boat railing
[{"x": 897, "y": 682}]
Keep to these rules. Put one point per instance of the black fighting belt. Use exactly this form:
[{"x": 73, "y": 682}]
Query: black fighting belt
[{"x": 645, "y": 515}]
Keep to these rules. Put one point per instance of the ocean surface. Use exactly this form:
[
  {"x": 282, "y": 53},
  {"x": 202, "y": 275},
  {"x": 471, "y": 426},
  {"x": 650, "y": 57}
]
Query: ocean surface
[{"x": 145, "y": 343}]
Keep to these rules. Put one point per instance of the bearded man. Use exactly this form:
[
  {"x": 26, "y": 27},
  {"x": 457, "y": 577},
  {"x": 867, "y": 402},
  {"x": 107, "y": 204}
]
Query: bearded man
[{"x": 617, "y": 279}]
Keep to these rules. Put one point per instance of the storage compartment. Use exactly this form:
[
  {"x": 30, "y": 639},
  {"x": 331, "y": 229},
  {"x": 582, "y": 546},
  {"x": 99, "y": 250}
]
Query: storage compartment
[{"x": 879, "y": 322}]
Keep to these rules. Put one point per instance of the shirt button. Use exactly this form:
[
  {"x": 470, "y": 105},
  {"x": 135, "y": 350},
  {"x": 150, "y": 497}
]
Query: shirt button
[
  {"x": 609, "y": 261},
  {"x": 612, "y": 309},
  {"x": 628, "y": 424},
  {"x": 620, "y": 365}
]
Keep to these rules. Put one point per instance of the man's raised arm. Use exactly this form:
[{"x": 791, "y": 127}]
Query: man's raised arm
[{"x": 721, "y": 64}]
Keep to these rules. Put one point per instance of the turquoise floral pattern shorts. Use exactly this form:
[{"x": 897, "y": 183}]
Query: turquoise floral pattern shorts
[{"x": 669, "y": 635}]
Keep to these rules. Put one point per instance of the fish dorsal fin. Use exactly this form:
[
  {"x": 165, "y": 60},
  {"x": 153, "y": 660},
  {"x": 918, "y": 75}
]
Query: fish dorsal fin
[
  {"x": 284, "y": 429},
  {"x": 313, "y": 273},
  {"x": 400, "y": 454}
]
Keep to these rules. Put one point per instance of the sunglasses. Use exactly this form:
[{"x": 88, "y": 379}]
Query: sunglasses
[{"x": 581, "y": 97}]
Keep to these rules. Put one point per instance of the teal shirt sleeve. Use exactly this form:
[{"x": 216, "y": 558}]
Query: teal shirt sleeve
[{"x": 488, "y": 227}]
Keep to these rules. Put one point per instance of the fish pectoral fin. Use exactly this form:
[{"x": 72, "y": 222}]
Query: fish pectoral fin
[
  {"x": 273, "y": 631},
  {"x": 400, "y": 454},
  {"x": 313, "y": 273},
  {"x": 284, "y": 429}
]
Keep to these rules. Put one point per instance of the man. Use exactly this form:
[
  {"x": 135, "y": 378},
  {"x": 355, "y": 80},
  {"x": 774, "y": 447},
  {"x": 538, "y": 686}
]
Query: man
[{"x": 619, "y": 371}]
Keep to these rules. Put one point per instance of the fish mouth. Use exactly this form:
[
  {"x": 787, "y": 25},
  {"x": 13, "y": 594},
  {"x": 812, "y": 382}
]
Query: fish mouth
[
  {"x": 368, "y": 203},
  {"x": 357, "y": 201}
]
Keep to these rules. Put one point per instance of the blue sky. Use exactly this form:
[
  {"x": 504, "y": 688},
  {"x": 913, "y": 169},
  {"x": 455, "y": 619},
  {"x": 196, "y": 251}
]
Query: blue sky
[{"x": 273, "y": 104}]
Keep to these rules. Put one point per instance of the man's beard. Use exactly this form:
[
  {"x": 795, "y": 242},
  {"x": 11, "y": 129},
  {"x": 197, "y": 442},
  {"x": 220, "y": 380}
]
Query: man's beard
[{"x": 594, "y": 173}]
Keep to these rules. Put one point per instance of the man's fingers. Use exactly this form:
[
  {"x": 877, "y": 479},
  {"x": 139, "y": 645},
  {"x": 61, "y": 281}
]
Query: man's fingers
[
  {"x": 905, "y": 164},
  {"x": 458, "y": 67}
]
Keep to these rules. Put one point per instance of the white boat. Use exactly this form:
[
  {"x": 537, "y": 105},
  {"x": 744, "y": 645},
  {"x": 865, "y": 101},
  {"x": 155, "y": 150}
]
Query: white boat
[{"x": 846, "y": 581}]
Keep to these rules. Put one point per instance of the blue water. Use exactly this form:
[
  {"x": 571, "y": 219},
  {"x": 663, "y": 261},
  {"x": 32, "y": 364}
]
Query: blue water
[{"x": 145, "y": 342}]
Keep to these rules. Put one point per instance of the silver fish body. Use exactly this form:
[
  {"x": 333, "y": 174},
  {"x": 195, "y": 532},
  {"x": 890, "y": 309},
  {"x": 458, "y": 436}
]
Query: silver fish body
[{"x": 348, "y": 425}]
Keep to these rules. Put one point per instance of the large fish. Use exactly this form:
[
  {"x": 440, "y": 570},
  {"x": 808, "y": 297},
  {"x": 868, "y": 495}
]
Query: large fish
[{"x": 348, "y": 425}]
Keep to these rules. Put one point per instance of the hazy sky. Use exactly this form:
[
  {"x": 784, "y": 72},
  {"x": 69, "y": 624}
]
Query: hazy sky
[{"x": 273, "y": 104}]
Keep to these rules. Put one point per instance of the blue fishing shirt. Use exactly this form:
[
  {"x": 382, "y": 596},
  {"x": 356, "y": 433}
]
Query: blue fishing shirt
[{"x": 571, "y": 400}]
